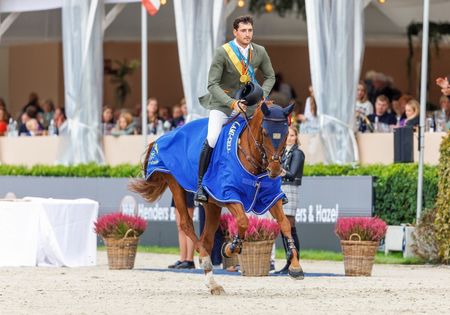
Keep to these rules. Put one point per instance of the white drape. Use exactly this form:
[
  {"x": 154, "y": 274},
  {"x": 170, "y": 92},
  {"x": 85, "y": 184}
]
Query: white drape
[
  {"x": 200, "y": 26},
  {"x": 336, "y": 45},
  {"x": 83, "y": 79}
]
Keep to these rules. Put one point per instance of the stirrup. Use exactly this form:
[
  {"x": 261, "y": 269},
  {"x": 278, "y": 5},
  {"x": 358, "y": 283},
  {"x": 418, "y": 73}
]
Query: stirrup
[{"x": 200, "y": 195}]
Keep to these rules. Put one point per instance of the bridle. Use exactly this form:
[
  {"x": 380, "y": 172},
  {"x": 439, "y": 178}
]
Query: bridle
[{"x": 263, "y": 150}]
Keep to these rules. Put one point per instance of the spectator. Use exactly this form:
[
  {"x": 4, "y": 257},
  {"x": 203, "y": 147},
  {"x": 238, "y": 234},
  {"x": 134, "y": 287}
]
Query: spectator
[
  {"x": 33, "y": 102},
  {"x": 381, "y": 119},
  {"x": 164, "y": 114},
  {"x": 48, "y": 110},
  {"x": 363, "y": 107},
  {"x": 154, "y": 124},
  {"x": 2, "y": 103},
  {"x": 60, "y": 119},
  {"x": 398, "y": 108},
  {"x": 30, "y": 113},
  {"x": 125, "y": 125},
  {"x": 293, "y": 163},
  {"x": 442, "y": 116},
  {"x": 33, "y": 127},
  {"x": 4, "y": 117},
  {"x": 107, "y": 120},
  {"x": 412, "y": 113},
  {"x": 186, "y": 244},
  {"x": 283, "y": 88},
  {"x": 309, "y": 120},
  {"x": 177, "y": 116}
]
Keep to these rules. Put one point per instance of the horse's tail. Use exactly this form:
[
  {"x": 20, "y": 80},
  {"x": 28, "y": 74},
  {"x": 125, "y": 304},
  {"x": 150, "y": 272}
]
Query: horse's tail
[{"x": 152, "y": 188}]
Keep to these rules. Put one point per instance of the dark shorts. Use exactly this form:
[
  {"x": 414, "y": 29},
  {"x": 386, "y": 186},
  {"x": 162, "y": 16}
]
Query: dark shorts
[{"x": 189, "y": 197}]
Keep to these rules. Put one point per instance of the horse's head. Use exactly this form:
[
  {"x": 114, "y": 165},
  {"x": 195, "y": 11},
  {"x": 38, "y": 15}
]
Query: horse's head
[{"x": 275, "y": 126}]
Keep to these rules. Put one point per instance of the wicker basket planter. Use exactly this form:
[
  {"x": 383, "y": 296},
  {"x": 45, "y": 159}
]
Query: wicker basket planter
[
  {"x": 358, "y": 256},
  {"x": 255, "y": 258},
  {"x": 121, "y": 252}
]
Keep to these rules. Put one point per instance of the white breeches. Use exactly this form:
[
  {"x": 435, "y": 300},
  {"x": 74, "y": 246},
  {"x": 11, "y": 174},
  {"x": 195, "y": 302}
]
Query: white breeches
[{"x": 216, "y": 121}]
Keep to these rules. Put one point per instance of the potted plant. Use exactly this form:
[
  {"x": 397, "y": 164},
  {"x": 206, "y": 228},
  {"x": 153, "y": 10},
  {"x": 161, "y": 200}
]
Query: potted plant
[
  {"x": 254, "y": 259},
  {"x": 120, "y": 232},
  {"x": 360, "y": 238}
]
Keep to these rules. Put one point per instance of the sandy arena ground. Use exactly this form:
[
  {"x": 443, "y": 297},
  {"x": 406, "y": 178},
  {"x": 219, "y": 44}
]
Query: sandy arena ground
[{"x": 97, "y": 290}]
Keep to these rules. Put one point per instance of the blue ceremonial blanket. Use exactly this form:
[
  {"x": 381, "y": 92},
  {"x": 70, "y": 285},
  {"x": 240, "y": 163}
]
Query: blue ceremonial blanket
[{"x": 226, "y": 180}]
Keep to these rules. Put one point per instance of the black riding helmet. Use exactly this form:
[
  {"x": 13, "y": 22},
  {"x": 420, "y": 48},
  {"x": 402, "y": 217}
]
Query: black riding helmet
[{"x": 251, "y": 92}]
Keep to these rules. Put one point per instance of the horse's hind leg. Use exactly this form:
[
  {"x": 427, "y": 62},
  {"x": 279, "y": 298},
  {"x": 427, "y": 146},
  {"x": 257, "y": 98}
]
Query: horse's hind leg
[
  {"x": 186, "y": 223},
  {"x": 295, "y": 270},
  {"x": 212, "y": 219}
]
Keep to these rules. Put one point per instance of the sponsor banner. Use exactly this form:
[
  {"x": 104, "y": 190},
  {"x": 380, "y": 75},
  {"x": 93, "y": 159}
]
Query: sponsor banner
[{"x": 322, "y": 201}]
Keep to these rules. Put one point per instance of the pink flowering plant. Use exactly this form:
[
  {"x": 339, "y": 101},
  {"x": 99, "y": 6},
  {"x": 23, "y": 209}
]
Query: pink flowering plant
[
  {"x": 259, "y": 229},
  {"x": 369, "y": 229},
  {"x": 117, "y": 225}
]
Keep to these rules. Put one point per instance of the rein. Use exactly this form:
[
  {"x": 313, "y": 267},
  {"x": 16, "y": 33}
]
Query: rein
[{"x": 262, "y": 149}]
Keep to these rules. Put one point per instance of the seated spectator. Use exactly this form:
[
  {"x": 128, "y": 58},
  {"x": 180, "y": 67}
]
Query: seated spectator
[
  {"x": 33, "y": 128},
  {"x": 444, "y": 83},
  {"x": 4, "y": 117},
  {"x": 48, "y": 110},
  {"x": 107, "y": 120},
  {"x": 164, "y": 114},
  {"x": 381, "y": 119},
  {"x": 125, "y": 125},
  {"x": 442, "y": 116},
  {"x": 412, "y": 114},
  {"x": 363, "y": 107},
  {"x": 177, "y": 116},
  {"x": 60, "y": 119},
  {"x": 398, "y": 108}
]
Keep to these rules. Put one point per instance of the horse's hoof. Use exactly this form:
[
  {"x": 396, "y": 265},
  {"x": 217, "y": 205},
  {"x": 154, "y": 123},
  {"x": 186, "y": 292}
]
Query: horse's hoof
[
  {"x": 218, "y": 290},
  {"x": 296, "y": 273}
]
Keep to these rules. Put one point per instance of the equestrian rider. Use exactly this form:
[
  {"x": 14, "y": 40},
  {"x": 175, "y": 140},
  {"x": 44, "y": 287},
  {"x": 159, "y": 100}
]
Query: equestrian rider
[{"x": 234, "y": 64}]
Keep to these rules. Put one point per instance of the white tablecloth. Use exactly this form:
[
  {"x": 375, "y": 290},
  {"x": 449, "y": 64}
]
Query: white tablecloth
[{"x": 48, "y": 232}]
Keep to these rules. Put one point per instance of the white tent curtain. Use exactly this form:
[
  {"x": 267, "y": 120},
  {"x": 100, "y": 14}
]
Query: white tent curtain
[
  {"x": 200, "y": 26},
  {"x": 83, "y": 80},
  {"x": 336, "y": 45}
]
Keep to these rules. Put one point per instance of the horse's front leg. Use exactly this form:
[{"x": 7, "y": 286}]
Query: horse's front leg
[
  {"x": 235, "y": 247},
  {"x": 295, "y": 270}
]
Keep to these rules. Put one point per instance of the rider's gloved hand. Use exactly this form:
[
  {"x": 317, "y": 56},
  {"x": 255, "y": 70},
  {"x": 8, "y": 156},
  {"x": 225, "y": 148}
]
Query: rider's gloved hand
[{"x": 240, "y": 106}]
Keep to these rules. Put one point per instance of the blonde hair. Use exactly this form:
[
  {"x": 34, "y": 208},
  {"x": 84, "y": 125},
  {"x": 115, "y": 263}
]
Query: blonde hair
[
  {"x": 128, "y": 117},
  {"x": 364, "y": 99},
  {"x": 296, "y": 134},
  {"x": 414, "y": 105}
]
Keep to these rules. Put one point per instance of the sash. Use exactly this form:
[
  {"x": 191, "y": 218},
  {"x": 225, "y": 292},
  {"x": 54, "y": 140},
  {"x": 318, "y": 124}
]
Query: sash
[{"x": 243, "y": 66}]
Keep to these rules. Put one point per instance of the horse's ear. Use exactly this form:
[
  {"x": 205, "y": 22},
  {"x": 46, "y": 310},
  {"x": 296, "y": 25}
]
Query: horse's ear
[
  {"x": 288, "y": 110},
  {"x": 265, "y": 109}
]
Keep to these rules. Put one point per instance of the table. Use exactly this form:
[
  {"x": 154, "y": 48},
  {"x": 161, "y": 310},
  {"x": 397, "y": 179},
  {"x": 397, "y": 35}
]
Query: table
[{"x": 48, "y": 232}]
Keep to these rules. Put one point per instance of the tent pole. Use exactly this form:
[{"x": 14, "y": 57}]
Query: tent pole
[
  {"x": 144, "y": 73},
  {"x": 423, "y": 104}
]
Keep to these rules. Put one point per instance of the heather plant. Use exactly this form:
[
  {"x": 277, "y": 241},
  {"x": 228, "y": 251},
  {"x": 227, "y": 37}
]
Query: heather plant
[
  {"x": 442, "y": 222},
  {"x": 117, "y": 225},
  {"x": 369, "y": 229},
  {"x": 259, "y": 229}
]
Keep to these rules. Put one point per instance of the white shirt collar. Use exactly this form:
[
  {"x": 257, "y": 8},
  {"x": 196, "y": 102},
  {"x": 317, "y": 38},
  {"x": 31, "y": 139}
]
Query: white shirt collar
[{"x": 244, "y": 51}]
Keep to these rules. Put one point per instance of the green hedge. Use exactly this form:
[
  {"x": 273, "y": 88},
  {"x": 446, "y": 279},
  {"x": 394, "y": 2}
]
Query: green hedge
[{"x": 395, "y": 185}]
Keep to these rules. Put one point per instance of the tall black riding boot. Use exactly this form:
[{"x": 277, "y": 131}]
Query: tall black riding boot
[
  {"x": 205, "y": 157},
  {"x": 296, "y": 241}
]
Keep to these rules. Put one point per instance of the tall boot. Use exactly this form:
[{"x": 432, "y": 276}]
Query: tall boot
[
  {"x": 205, "y": 158},
  {"x": 296, "y": 241}
]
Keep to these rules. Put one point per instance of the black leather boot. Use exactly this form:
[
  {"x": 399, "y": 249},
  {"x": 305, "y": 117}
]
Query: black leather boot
[{"x": 205, "y": 158}]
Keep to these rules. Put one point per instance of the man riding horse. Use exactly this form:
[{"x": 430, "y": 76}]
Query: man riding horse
[
  {"x": 245, "y": 167},
  {"x": 234, "y": 64}
]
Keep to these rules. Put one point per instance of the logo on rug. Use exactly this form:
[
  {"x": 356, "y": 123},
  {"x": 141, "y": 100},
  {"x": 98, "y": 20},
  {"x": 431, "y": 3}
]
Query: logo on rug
[{"x": 231, "y": 133}]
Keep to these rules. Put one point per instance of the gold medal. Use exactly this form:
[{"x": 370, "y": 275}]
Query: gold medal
[{"x": 244, "y": 78}]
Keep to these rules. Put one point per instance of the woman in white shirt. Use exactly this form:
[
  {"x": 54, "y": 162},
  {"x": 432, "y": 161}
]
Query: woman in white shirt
[{"x": 363, "y": 106}]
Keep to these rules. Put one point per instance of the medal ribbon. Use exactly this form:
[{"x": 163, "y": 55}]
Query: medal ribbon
[{"x": 243, "y": 66}]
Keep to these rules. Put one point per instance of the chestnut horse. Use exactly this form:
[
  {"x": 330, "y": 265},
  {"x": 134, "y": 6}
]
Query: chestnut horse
[{"x": 258, "y": 153}]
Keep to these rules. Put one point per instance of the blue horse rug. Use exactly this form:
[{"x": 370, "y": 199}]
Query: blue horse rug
[{"x": 226, "y": 180}]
